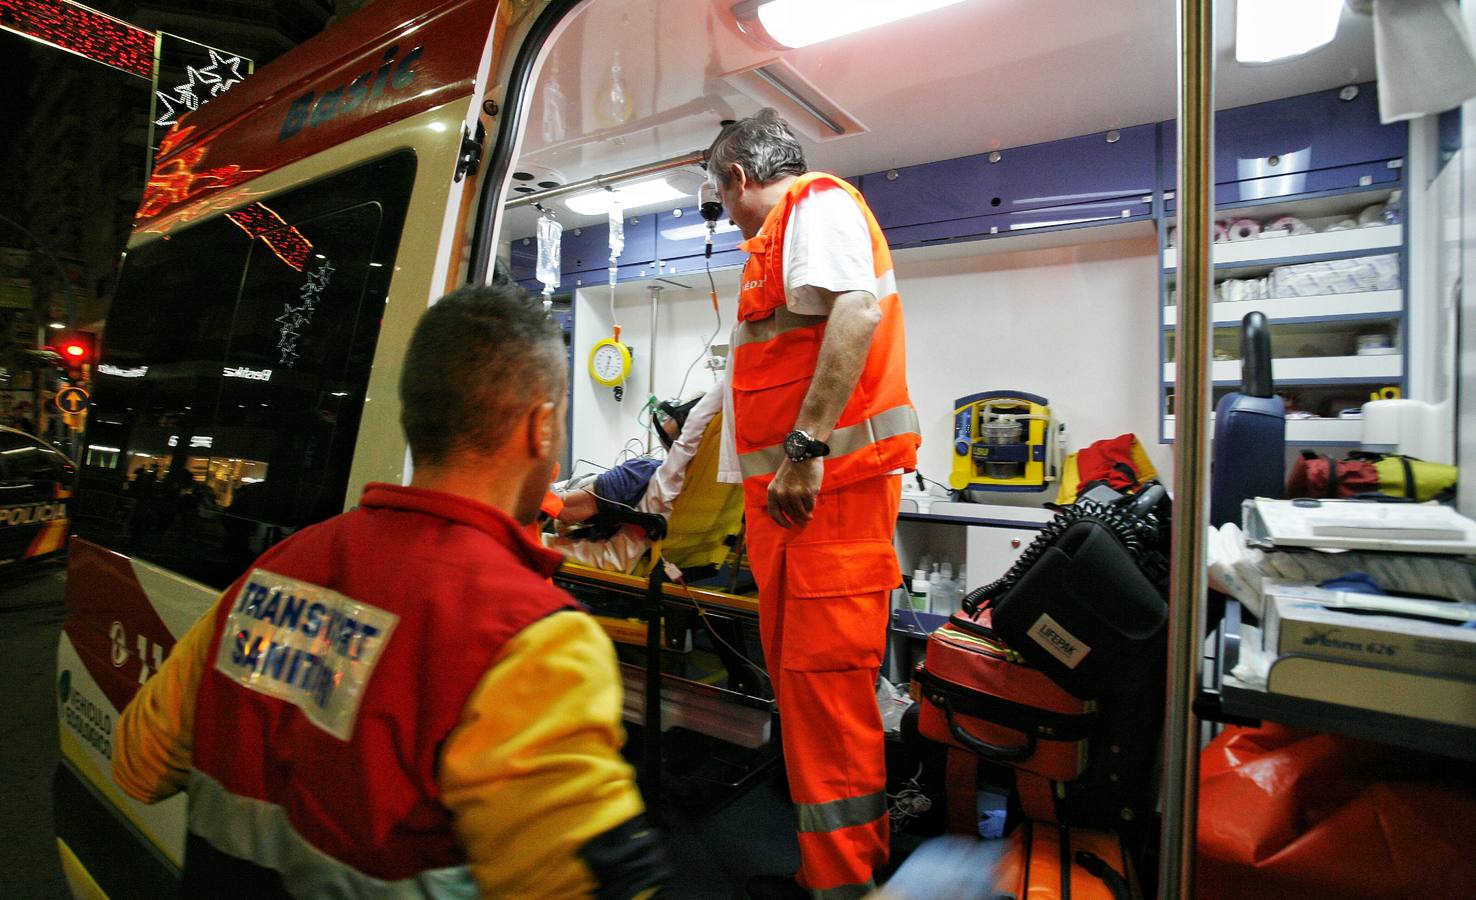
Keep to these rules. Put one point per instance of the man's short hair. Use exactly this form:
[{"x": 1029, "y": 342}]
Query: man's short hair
[
  {"x": 762, "y": 144},
  {"x": 477, "y": 358}
]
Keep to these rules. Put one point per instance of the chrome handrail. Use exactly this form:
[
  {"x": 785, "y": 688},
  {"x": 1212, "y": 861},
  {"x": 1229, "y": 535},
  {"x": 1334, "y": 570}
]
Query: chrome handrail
[{"x": 1191, "y": 444}]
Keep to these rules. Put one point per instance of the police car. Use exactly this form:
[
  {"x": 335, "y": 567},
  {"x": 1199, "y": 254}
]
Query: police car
[{"x": 36, "y": 482}]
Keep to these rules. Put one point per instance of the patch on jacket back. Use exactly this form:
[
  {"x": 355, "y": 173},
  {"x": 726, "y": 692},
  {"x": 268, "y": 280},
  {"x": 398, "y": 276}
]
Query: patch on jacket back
[{"x": 305, "y": 645}]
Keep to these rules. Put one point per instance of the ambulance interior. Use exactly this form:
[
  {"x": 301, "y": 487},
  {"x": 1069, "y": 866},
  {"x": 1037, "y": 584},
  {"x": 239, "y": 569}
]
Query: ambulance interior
[{"x": 1021, "y": 158}]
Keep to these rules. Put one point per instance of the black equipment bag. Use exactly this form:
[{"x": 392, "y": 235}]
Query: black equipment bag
[{"x": 1085, "y": 602}]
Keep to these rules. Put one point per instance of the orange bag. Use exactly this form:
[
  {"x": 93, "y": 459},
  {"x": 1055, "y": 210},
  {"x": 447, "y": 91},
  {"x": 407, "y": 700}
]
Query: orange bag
[
  {"x": 1044, "y": 862},
  {"x": 1288, "y": 813}
]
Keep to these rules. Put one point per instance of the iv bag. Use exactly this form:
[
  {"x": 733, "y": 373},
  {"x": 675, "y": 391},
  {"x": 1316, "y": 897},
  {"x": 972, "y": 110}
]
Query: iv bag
[
  {"x": 617, "y": 226},
  {"x": 550, "y": 234}
]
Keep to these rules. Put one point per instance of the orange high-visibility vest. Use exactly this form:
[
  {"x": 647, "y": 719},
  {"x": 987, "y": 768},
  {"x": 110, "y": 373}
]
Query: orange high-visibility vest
[{"x": 774, "y": 356}]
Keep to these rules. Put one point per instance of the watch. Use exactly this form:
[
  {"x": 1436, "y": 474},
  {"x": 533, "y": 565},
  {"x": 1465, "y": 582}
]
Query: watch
[{"x": 799, "y": 446}]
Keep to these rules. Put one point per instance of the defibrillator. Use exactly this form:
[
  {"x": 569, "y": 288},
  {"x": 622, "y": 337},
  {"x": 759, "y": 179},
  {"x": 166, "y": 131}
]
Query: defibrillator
[{"x": 1005, "y": 441}]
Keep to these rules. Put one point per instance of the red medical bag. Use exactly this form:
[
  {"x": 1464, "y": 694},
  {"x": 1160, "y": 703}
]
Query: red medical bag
[{"x": 981, "y": 696}]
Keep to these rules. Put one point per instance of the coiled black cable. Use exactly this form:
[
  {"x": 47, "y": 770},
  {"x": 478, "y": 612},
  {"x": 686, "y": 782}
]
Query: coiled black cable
[{"x": 1138, "y": 532}]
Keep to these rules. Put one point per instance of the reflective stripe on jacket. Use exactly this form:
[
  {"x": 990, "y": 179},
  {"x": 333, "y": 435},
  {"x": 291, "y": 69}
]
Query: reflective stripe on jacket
[
  {"x": 466, "y": 735},
  {"x": 775, "y": 352}
]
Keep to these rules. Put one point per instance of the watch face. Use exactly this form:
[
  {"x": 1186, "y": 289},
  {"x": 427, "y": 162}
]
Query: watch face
[{"x": 796, "y": 446}]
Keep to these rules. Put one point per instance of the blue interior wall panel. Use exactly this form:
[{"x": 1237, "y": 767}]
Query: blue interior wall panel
[
  {"x": 1307, "y": 133},
  {"x": 1072, "y": 171},
  {"x": 1321, "y": 143}
]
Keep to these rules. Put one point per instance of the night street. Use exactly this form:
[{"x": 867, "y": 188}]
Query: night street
[{"x": 31, "y": 612}]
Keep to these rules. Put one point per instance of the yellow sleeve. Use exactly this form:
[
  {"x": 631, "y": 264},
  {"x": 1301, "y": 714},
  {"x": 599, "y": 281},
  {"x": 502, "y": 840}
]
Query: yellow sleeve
[
  {"x": 154, "y": 736},
  {"x": 542, "y": 801}
]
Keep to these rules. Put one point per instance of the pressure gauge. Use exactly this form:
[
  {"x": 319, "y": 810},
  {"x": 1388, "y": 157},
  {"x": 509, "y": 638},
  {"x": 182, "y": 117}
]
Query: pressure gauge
[{"x": 609, "y": 362}]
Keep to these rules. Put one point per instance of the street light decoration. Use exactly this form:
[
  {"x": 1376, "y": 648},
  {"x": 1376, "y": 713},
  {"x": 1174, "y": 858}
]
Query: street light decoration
[
  {"x": 201, "y": 85},
  {"x": 85, "y": 32}
]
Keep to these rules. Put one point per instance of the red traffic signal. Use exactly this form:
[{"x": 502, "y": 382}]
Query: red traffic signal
[{"x": 76, "y": 351}]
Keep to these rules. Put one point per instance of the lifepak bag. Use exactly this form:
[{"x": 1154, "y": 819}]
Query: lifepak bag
[
  {"x": 1085, "y": 601},
  {"x": 1390, "y": 474},
  {"x": 981, "y": 696}
]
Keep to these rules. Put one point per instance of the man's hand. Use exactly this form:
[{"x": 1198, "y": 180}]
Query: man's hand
[{"x": 792, "y": 492}]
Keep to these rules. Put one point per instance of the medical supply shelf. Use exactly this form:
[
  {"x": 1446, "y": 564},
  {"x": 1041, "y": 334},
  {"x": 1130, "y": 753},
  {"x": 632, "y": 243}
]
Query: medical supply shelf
[
  {"x": 1314, "y": 337},
  {"x": 1292, "y": 249},
  {"x": 1316, "y": 431},
  {"x": 1328, "y": 307},
  {"x": 1222, "y": 698},
  {"x": 1312, "y": 370}
]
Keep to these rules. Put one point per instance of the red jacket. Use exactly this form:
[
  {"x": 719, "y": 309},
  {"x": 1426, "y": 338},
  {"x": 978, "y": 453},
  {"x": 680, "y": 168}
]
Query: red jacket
[{"x": 365, "y": 691}]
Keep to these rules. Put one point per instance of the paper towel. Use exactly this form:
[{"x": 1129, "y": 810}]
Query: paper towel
[{"x": 1423, "y": 57}]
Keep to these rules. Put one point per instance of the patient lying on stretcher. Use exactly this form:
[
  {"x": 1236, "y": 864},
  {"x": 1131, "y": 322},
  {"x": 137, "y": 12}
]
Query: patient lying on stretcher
[{"x": 691, "y": 433}]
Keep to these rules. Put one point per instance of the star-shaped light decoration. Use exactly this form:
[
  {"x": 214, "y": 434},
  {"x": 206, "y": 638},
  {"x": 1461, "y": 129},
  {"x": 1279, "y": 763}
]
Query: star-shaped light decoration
[
  {"x": 294, "y": 319},
  {"x": 187, "y": 96},
  {"x": 229, "y": 76}
]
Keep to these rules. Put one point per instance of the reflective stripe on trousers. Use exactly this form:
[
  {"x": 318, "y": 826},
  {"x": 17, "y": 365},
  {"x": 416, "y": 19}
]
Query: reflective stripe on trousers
[
  {"x": 843, "y": 441},
  {"x": 824, "y": 648},
  {"x": 259, "y": 832}
]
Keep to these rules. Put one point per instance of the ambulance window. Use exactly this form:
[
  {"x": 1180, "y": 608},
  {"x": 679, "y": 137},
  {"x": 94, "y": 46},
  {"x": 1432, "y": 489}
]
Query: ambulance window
[
  {"x": 227, "y": 399},
  {"x": 295, "y": 373}
]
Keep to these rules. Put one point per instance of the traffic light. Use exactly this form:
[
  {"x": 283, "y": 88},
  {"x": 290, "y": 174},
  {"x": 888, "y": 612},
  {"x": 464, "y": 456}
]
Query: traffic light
[{"x": 76, "y": 351}]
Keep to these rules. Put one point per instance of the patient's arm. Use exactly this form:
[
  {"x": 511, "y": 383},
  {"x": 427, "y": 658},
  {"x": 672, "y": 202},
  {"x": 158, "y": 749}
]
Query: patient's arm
[
  {"x": 619, "y": 553},
  {"x": 579, "y": 505}
]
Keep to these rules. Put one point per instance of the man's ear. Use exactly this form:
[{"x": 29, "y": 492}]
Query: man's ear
[
  {"x": 737, "y": 177},
  {"x": 541, "y": 428}
]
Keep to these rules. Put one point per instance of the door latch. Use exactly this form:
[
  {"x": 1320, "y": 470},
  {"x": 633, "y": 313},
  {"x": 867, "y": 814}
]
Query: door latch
[{"x": 470, "y": 155}]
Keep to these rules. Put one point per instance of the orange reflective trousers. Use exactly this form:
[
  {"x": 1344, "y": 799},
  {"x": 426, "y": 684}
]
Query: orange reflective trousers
[{"x": 824, "y": 603}]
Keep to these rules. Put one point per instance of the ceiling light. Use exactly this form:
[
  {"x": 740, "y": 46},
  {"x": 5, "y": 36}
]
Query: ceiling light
[
  {"x": 696, "y": 231},
  {"x": 800, "y": 23},
  {"x": 632, "y": 196},
  {"x": 1273, "y": 30}
]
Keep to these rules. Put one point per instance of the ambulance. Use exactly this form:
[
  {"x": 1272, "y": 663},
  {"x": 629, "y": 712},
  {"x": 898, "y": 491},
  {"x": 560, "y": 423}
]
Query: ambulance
[{"x": 1021, "y": 157}]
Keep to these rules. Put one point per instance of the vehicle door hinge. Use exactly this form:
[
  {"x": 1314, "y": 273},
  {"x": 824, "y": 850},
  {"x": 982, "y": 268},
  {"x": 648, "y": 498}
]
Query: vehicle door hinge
[{"x": 470, "y": 155}]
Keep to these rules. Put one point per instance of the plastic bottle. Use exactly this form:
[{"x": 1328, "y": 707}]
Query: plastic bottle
[
  {"x": 936, "y": 596},
  {"x": 920, "y": 590},
  {"x": 1394, "y": 210},
  {"x": 949, "y": 600}
]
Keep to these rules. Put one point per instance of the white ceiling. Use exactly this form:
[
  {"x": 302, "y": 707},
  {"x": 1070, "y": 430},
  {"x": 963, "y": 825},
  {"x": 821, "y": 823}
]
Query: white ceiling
[{"x": 633, "y": 81}]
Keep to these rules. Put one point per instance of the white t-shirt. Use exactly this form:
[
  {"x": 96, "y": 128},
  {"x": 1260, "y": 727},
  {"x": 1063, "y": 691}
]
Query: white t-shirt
[{"x": 827, "y": 245}]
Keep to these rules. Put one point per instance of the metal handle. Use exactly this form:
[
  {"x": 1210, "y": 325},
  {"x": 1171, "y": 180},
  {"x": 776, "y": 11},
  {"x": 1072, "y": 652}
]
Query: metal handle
[
  {"x": 1255, "y": 356},
  {"x": 1191, "y": 493}
]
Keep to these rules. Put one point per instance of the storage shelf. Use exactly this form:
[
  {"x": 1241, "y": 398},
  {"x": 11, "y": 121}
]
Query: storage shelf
[
  {"x": 1279, "y": 309},
  {"x": 1300, "y": 248},
  {"x": 1388, "y": 367},
  {"x": 1222, "y": 696},
  {"x": 1302, "y": 431}
]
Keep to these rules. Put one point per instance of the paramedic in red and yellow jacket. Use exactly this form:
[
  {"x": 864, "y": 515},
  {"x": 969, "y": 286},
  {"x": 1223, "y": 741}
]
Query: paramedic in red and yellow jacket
[
  {"x": 822, "y": 427},
  {"x": 396, "y": 702}
]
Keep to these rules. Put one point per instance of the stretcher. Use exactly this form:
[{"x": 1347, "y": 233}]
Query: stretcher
[
  {"x": 700, "y": 539},
  {"x": 660, "y": 700}
]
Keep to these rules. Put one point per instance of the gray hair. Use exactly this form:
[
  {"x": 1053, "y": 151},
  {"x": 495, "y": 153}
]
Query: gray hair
[{"x": 762, "y": 144}]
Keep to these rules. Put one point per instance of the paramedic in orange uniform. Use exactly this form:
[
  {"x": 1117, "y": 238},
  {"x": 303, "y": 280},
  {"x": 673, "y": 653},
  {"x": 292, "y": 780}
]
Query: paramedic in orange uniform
[
  {"x": 821, "y": 429},
  {"x": 396, "y": 701}
]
